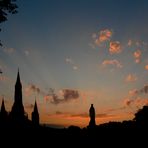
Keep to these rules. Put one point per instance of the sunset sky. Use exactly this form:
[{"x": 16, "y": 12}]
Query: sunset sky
[{"x": 74, "y": 53}]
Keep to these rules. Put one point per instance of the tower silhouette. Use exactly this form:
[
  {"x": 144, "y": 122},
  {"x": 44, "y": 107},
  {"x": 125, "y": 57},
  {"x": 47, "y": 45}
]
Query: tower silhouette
[
  {"x": 3, "y": 113},
  {"x": 92, "y": 122},
  {"x": 35, "y": 115},
  {"x": 17, "y": 113}
]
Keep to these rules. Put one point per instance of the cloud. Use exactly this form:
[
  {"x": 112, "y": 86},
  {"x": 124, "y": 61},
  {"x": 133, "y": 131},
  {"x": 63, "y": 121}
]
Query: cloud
[
  {"x": 9, "y": 50},
  {"x": 143, "y": 90},
  {"x": 146, "y": 67},
  {"x": 114, "y": 47},
  {"x": 112, "y": 62},
  {"x": 80, "y": 115},
  {"x": 26, "y": 52},
  {"x": 32, "y": 88},
  {"x": 70, "y": 94},
  {"x": 69, "y": 60},
  {"x": 85, "y": 115},
  {"x": 129, "y": 43},
  {"x": 4, "y": 78},
  {"x": 134, "y": 99},
  {"x": 133, "y": 92},
  {"x": 103, "y": 35},
  {"x": 72, "y": 63},
  {"x": 128, "y": 102},
  {"x": 137, "y": 56},
  {"x": 75, "y": 67},
  {"x": 67, "y": 95},
  {"x": 137, "y": 102},
  {"x": 131, "y": 78}
]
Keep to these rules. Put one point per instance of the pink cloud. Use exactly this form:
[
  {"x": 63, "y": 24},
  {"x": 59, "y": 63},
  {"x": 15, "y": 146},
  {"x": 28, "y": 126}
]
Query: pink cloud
[
  {"x": 137, "y": 56},
  {"x": 115, "y": 47},
  {"x": 133, "y": 92},
  {"x": 9, "y": 50},
  {"x": 129, "y": 43},
  {"x": 104, "y": 35},
  {"x": 112, "y": 62},
  {"x": 137, "y": 102},
  {"x": 131, "y": 78},
  {"x": 146, "y": 67}
]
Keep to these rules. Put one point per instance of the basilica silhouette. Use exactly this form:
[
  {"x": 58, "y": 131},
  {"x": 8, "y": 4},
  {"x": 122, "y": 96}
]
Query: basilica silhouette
[{"x": 18, "y": 116}]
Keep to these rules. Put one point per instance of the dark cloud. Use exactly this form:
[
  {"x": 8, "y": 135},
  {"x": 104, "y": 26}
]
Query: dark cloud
[
  {"x": 67, "y": 95},
  {"x": 143, "y": 90},
  {"x": 70, "y": 94},
  {"x": 33, "y": 88}
]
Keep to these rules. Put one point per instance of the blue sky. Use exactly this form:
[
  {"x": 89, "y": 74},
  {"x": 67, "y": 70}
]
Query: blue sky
[{"x": 95, "y": 47}]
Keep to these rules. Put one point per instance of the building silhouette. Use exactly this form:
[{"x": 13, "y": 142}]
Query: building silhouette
[
  {"x": 92, "y": 122},
  {"x": 18, "y": 116},
  {"x": 3, "y": 114},
  {"x": 17, "y": 113},
  {"x": 35, "y": 115}
]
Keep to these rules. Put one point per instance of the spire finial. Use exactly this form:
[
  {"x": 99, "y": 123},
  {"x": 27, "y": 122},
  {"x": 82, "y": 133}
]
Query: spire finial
[{"x": 18, "y": 77}]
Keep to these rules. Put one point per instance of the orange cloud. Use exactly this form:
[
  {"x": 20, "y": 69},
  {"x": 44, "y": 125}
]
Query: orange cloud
[
  {"x": 133, "y": 92},
  {"x": 143, "y": 90},
  {"x": 131, "y": 78},
  {"x": 115, "y": 47},
  {"x": 112, "y": 62},
  {"x": 137, "y": 102},
  {"x": 9, "y": 50},
  {"x": 146, "y": 67},
  {"x": 137, "y": 56},
  {"x": 104, "y": 35}
]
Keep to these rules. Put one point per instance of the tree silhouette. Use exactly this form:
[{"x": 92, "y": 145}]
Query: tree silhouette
[
  {"x": 141, "y": 117},
  {"x": 6, "y": 7}
]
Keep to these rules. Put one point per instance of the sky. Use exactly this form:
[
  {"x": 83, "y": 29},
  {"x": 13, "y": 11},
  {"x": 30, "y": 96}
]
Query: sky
[{"x": 74, "y": 53}]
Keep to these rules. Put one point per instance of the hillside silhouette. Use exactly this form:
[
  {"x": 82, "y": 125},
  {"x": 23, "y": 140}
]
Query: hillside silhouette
[{"x": 16, "y": 127}]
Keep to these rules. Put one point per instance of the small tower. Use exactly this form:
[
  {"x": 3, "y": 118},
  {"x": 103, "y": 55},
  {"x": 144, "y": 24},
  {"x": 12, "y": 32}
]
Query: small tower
[
  {"x": 92, "y": 122},
  {"x": 35, "y": 115},
  {"x": 3, "y": 113}
]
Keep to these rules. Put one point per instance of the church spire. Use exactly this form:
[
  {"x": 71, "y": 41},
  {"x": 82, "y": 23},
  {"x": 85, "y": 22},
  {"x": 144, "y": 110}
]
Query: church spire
[
  {"x": 3, "y": 113},
  {"x": 17, "y": 111},
  {"x": 3, "y": 110},
  {"x": 35, "y": 115},
  {"x": 18, "y": 81}
]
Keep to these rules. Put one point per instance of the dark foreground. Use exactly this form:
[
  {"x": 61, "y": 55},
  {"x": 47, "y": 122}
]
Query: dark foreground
[{"x": 74, "y": 137}]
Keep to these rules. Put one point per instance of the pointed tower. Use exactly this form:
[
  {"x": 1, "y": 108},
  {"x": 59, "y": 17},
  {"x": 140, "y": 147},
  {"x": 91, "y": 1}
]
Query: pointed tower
[
  {"x": 35, "y": 115},
  {"x": 3, "y": 113},
  {"x": 92, "y": 122},
  {"x": 17, "y": 112}
]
